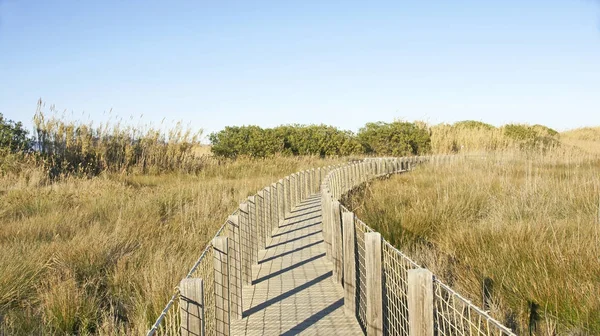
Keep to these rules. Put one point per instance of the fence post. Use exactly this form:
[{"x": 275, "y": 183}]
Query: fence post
[
  {"x": 235, "y": 267},
  {"x": 287, "y": 195},
  {"x": 420, "y": 302},
  {"x": 293, "y": 192},
  {"x": 374, "y": 283},
  {"x": 302, "y": 185},
  {"x": 307, "y": 184},
  {"x": 222, "y": 301},
  {"x": 281, "y": 202},
  {"x": 260, "y": 219},
  {"x": 253, "y": 229},
  {"x": 325, "y": 199},
  {"x": 245, "y": 244},
  {"x": 336, "y": 242},
  {"x": 191, "y": 307},
  {"x": 349, "y": 263}
]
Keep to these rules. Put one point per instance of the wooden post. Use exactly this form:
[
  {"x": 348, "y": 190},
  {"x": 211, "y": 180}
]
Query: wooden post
[
  {"x": 293, "y": 191},
  {"x": 349, "y": 263},
  {"x": 245, "y": 244},
  {"x": 306, "y": 183},
  {"x": 260, "y": 219},
  {"x": 235, "y": 267},
  {"x": 326, "y": 224},
  {"x": 302, "y": 185},
  {"x": 287, "y": 195},
  {"x": 299, "y": 188},
  {"x": 420, "y": 302},
  {"x": 275, "y": 206},
  {"x": 281, "y": 202},
  {"x": 374, "y": 283},
  {"x": 253, "y": 224},
  {"x": 336, "y": 243},
  {"x": 222, "y": 300},
  {"x": 191, "y": 307}
]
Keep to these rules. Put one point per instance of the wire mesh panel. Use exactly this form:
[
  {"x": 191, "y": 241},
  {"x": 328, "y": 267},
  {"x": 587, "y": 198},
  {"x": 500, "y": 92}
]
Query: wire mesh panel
[
  {"x": 171, "y": 321},
  {"x": 206, "y": 272},
  {"x": 361, "y": 276},
  {"x": 453, "y": 314},
  {"x": 456, "y": 316},
  {"x": 395, "y": 289}
]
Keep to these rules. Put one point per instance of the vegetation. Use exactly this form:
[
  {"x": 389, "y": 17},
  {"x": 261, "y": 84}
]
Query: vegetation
[
  {"x": 473, "y": 136},
  {"x": 99, "y": 223},
  {"x": 525, "y": 224},
  {"x": 256, "y": 142},
  {"x": 396, "y": 138},
  {"x": 13, "y": 137},
  {"x": 102, "y": 255},
  {"x": 75, "y": 148}
]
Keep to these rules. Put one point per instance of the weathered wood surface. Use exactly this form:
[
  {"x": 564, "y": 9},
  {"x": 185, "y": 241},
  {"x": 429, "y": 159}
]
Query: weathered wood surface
[{"x": 292, "y": 289}]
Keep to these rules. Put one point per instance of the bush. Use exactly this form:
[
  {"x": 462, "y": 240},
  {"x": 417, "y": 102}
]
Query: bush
[
  {"x": 13, "y": 137},
  {"x": 253, "y": 141},
  {"x": 397, "y": 138},
  {"x": 472, "y": 124},
  {"x": 532, "y": 137}
]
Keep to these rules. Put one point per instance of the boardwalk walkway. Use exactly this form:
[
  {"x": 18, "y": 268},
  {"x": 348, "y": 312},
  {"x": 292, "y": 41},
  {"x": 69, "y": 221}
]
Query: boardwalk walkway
[{"x": 292, "y": 290}]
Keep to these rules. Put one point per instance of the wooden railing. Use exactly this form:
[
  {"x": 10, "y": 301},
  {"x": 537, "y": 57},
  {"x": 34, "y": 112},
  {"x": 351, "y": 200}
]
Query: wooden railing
[{"x": 386, "y": 291}]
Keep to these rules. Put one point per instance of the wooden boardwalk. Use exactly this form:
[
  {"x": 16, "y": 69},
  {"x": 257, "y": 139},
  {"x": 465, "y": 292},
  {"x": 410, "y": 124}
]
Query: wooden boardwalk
[{"x": 292, "y": 290}]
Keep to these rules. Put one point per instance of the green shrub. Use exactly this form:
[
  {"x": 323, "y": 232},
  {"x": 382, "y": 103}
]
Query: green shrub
[
  {"x": 473, "y": 124},
  {"x": 397, "y": 138},
  {"x": 532, "y": 137},
  {"x": 253, "y": 141},
  {"x": 13, "y": 137},
  {"x": 519, "y": 132}
]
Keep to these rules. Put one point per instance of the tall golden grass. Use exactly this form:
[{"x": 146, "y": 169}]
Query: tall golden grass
[
  {"x": 527, "y": 223},
  {"x": 477, "y": 137},
  {"x": 78, "y": 148},
  {"x": 102, "y": 255}
]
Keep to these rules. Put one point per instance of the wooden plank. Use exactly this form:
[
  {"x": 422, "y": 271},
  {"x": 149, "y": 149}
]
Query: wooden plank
[
  {"x": 349, "y": 263},
  {"x": 222, "y": 299},
  {"x": 191, "y": 307},
  {"x": 293, "y": 291},
  {"x": 420, "y": 302},
  {"x": 374, "y": 283}
]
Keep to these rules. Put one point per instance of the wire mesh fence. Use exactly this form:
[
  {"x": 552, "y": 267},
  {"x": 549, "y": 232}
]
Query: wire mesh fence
[
  {"x": 254, "y": 226},
  {"x": 453, "y": 314}
]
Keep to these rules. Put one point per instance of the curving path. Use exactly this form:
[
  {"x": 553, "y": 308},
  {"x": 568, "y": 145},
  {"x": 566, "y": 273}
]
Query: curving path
[{"x": 292, "y": 290}]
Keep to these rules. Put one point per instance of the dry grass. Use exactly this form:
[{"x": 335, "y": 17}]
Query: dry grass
[
  {"x": 530, "y": 223},
  {"x": 586, "y": 139},
  {"x": 102, "y": 255}
]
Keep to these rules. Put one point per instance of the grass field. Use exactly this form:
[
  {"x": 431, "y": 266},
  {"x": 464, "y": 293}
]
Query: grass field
[
  {"x": 526, "y": 225},
  {"x": 103, "y": 255}
]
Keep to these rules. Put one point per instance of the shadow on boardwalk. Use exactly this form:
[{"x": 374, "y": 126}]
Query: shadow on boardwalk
[{"x": 292, "y": 290}]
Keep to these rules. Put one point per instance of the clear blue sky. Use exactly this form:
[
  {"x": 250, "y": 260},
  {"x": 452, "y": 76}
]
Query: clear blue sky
[{"x": 344, "y": 63}]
